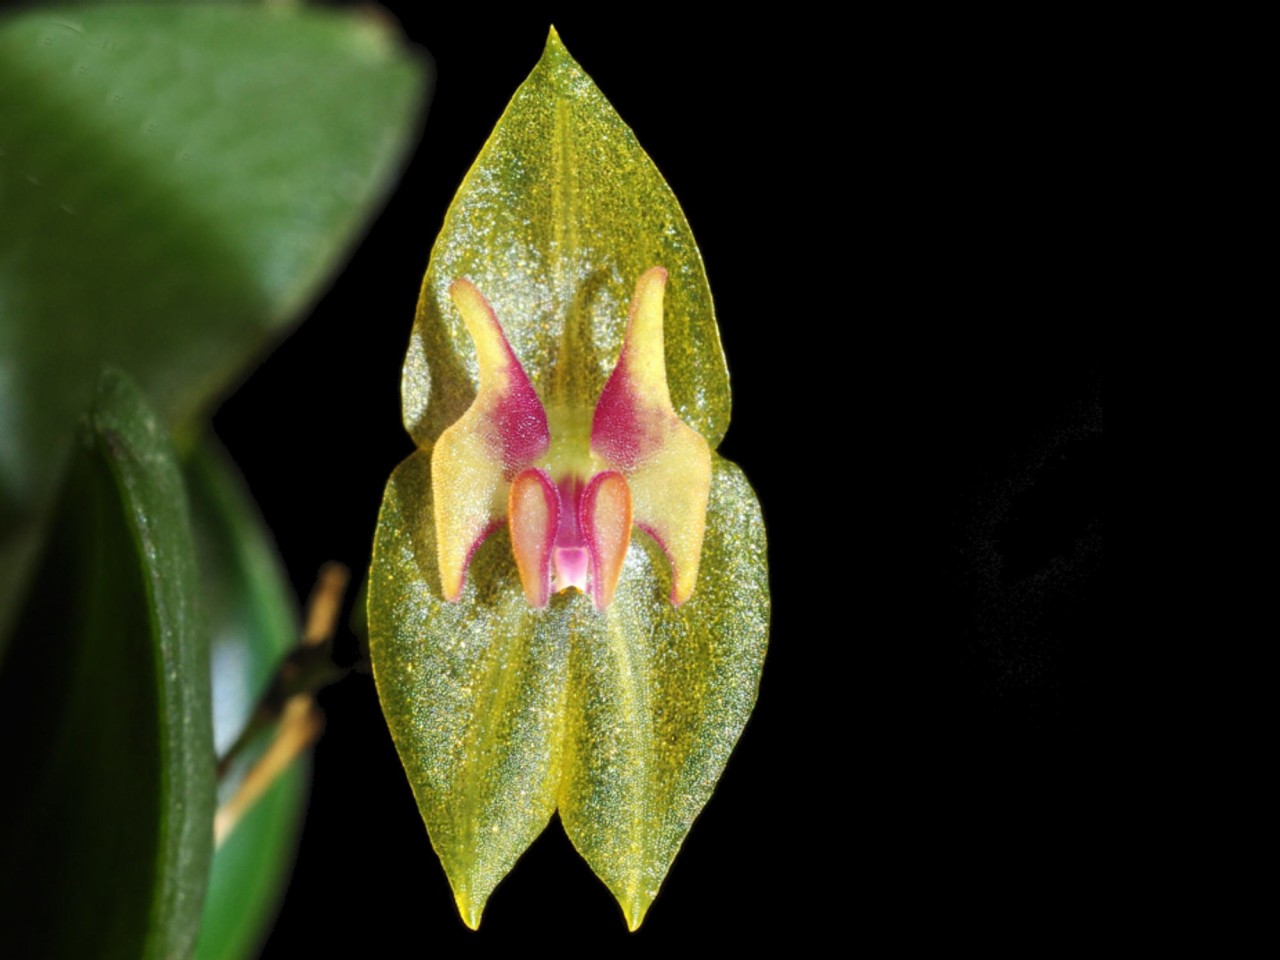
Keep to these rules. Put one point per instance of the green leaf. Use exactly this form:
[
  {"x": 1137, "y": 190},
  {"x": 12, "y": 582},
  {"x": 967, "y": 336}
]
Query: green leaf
[
  {"x": 620, "y": 718},
  {"x": 107, "y": 812},
  {"x": 177, "y": 183},
  {"x": 253, "y": 624}
]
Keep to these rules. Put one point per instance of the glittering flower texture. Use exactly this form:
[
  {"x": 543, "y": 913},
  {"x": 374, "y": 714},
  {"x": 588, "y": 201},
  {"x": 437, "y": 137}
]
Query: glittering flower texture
[{"x": 568, "y": 604}]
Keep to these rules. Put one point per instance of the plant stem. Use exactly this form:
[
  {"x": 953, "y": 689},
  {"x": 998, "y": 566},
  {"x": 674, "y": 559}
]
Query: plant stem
[{"x": 288, "y": 703}]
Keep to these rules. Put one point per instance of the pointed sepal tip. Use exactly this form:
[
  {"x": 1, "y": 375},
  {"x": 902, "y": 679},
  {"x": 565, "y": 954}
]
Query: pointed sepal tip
[{"x": 470, "y": 913}]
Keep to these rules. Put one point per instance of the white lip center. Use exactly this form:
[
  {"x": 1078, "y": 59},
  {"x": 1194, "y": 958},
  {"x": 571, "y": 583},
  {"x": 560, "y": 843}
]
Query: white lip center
[{"x": 570, "y": 568}]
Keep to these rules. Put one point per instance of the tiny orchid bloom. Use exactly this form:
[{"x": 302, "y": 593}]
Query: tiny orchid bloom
[
  {"x": 570, "y": 488},
  {"x": 534, "y": 654}
]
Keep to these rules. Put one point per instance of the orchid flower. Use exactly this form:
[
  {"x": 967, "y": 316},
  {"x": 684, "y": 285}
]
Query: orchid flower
[{"x": 568, "y": 604}]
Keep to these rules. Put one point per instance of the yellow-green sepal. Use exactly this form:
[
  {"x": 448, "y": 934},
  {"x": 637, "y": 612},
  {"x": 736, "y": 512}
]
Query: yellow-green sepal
[
  {"x": 472, "y": 690},
  {"x": 560, "y": 214},
  {"x": 622, "y": 719},
  {"x": 658, "y": 695}
]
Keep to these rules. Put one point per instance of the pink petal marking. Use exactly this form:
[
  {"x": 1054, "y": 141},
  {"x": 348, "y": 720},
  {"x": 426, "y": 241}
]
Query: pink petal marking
[
  {"x": 518, "y": 419},
  {"x": 571, "y": 559},
  {"x": 632, "y": 413},
  {"x": 503, "y": 432},
  {"x": 635, "y": 430}
]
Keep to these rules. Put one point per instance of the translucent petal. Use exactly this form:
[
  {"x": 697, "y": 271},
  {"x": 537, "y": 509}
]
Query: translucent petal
[
  {"x": 503, "y": 430},
  {"x": 635, "y": 429}
]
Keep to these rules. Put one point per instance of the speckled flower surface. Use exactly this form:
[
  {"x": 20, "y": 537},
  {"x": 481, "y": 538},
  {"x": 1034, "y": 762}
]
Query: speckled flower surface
[{"x": 568, "y": 604}]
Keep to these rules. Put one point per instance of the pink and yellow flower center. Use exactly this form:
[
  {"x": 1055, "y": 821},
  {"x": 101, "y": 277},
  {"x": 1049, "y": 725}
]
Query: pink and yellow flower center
[{"x": 570, "y": 492}]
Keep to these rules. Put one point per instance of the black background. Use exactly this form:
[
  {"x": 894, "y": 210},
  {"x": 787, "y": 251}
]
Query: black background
[{"x": 898, "y": 228}]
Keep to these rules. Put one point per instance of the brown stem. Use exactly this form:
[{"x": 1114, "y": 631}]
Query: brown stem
[{"x": 288, "y": 703}]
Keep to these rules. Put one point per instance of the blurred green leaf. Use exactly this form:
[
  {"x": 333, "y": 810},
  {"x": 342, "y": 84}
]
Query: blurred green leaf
[
  {"x": 253, "y": 624},
  {"x": 176, "y": 185},
  {"x": 105, "y": 737}
]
